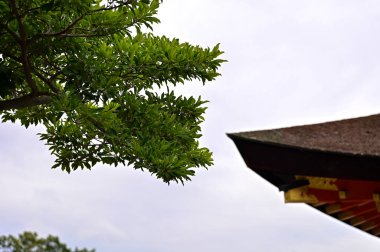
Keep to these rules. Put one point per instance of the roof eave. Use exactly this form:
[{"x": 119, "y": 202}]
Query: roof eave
[{"x": 270, "y": 158}]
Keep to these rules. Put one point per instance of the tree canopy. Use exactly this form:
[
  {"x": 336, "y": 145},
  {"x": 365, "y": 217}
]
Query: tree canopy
[
  {"x": 30, "y": 242},
  {"x": 93, "y": 73}
]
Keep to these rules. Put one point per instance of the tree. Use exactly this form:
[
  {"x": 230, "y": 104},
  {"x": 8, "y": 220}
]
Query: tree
[
  {"x": 30, "y": 242},
  {"x": 103, "y": 85}
]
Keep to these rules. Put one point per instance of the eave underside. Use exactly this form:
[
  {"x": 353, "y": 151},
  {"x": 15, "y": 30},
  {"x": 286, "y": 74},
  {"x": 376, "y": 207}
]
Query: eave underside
[{"x": 342, "y": 185}]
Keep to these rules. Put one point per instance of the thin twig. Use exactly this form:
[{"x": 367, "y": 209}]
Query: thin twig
[
  {"x": 49, "y": 81},
  {"x": 64, "y": 31}
]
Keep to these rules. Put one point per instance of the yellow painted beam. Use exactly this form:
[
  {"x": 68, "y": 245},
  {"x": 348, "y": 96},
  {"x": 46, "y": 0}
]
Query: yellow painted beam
[
  {"x": 342, "y": 195},
  {"x": 320, "y": 183},
  {"x": 376, "y": 198},
  {"x": 300, "y": 195}
]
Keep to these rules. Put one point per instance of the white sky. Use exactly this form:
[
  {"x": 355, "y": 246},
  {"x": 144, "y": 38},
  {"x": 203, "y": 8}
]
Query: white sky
[{"x": 290, "y": 62}]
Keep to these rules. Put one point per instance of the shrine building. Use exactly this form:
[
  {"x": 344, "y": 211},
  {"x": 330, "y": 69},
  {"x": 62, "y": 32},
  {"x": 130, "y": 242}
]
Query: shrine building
[{"x": 333, "y": 167}]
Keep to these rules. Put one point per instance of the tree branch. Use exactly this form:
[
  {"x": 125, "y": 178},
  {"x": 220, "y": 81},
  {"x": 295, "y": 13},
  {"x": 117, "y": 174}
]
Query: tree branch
[
  {"x": 26, "y": 101},
  {"x": 24, "y": 48},
  {"x": 49, "y": 81},
  {"x": 65, "y": 30}
]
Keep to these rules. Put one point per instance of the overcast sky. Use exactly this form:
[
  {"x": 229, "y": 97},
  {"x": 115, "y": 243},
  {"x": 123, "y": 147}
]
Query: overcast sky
[{"x": 290, "y": 62}]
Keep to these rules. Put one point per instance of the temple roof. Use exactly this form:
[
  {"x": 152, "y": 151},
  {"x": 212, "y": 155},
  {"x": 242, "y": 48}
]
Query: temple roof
[
  {"x": 359, "y": 136},
  {"x": 333, "y": 167}
]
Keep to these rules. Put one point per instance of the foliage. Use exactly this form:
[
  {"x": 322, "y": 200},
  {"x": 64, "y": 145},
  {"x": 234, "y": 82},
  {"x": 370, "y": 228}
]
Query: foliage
[
  {"x": 30, "y": 242},
  {"x": 102, "y": 85}
]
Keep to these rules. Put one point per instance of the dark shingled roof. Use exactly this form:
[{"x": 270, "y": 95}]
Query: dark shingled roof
[
  {"x": 348, "y": 151},
  {"x": 358, "y": 136}
]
